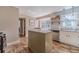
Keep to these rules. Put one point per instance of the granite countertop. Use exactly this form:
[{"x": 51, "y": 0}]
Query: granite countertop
[{"x": 39, "y": 30}]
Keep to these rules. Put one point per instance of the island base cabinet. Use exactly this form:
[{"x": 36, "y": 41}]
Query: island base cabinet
[
  {"x": 39, "y": 42},
  {"x": 48, "y": 43}
]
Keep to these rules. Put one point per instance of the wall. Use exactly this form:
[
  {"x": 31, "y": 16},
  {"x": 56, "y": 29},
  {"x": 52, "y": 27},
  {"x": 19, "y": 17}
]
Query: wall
[{"x": 9, "y": 22}]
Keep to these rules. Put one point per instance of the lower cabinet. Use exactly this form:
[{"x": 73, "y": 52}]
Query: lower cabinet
[
  {"x": 71, "y": 38},
  {"x": 55, "y": 36}
]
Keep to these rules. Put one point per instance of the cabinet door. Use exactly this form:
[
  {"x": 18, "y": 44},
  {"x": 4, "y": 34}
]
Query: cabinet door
[
  {"x": 65, "y": 37},
  {"x": 55, "y": 36},
  {"x": 75, "y": 39}
]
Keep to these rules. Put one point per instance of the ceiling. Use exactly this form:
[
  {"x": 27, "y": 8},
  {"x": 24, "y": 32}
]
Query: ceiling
[{"x": 37, "y": 11}]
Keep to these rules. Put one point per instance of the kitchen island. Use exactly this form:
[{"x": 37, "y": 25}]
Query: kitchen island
[{"x": 39, "y": 41}]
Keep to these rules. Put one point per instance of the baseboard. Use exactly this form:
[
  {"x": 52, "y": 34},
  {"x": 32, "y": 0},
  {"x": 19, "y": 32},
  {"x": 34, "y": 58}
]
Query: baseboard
[
  {"x": 14, "y": 42},
  {"x": 69, "y": 44}
]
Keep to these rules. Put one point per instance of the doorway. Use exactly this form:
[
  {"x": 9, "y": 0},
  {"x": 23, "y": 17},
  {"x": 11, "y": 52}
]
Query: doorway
[{"x": 22, "y": 27}]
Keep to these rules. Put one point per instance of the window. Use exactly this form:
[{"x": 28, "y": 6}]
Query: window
[
  {"x": 68, "y": 22},
  {"x": 46, "y": 25}
]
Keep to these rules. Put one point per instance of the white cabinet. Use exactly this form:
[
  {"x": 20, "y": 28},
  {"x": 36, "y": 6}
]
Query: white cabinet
[
  {"x": 75, "y": 38},
  {"x": 71, "y": 38},
  {"x": 64, "y": 37}
]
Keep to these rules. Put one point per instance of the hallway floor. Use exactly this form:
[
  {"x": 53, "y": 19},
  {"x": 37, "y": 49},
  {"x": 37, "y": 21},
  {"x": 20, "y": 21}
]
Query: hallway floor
[{"x": 57, "y": 47}]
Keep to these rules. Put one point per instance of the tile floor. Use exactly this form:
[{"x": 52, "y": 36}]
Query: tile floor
[
  {"x": 63, "y": 48},
  {"x": 57, "y": 47},
  {"x": 19, "y": 47}
]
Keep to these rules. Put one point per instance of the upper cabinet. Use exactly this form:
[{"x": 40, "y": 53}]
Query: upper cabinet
[{"x": 55, "y": 19}]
